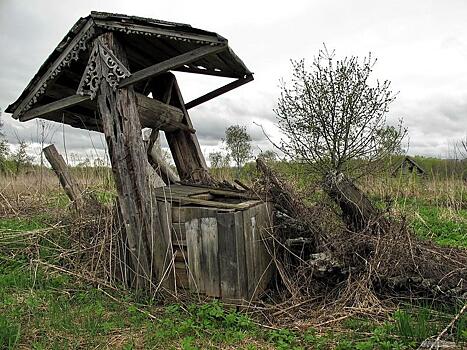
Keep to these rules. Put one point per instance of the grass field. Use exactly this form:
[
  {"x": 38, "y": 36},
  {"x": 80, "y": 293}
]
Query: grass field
[{"x": 42, "y": 307}]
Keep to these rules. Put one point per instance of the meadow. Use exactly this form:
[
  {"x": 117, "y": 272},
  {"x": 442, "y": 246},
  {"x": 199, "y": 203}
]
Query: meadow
[{"x": 46, "y": 302}]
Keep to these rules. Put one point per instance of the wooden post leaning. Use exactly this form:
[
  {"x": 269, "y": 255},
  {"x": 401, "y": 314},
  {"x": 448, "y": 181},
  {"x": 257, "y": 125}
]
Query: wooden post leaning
[
  {"x": 60, "y": 168},
  {"x": 122, "y": 129}
]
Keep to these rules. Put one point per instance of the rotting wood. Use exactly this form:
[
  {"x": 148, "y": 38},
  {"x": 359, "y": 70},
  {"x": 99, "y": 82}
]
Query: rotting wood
[
  {"x": 231, "y": 256},
  {"x": 158, "y": 115},
  {"x": 357, "y": 210},
  {"x": 118, "y": 110},
  {"x": 60, "y": 168},
  {"x": 207, "y": 203},
  {"x": 242, "y": 272},
  {"x": 194, "y": 250}
]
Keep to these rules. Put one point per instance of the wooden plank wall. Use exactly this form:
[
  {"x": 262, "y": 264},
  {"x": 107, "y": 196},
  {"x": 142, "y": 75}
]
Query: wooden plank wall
[{"x": 220, "y": 253}]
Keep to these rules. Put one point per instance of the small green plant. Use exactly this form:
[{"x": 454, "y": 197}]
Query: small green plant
[
  {"x": 283, "y": 339},
  {"x": 9, "y": 333}
]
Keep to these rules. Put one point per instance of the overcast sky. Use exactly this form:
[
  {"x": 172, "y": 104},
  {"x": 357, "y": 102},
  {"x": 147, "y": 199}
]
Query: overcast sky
[{"x": 421, "y": 47}]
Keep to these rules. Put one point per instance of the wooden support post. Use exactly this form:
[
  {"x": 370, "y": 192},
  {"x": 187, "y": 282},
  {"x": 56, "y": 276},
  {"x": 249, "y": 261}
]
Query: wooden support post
[
  {"x": 66, "y": 180},
  {"x": 122, "y": 129},
  {"x": 183, "y": 144}
]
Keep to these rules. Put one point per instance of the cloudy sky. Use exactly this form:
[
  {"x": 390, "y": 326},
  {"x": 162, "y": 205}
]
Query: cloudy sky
[{"x": 421, "y": 47}]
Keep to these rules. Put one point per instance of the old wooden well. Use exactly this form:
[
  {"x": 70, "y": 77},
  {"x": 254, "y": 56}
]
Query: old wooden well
[
  {"x": 113, "y": 74},
  {"x": 217, "y": 239}
]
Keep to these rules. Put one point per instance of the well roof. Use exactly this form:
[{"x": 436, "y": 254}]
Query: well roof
[{"x": 147, "y": 42}]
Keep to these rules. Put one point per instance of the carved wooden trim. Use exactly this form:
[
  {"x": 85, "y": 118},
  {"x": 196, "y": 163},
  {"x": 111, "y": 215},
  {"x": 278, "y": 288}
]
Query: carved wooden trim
[
  {"x": 128, "y": 28},
  {"x": 70, "y": 54},
  {"x": 102, "y": 63}
]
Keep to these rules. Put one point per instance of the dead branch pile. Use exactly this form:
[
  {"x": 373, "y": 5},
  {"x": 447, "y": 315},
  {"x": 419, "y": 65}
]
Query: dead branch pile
[{"x": 356, "y": 256}]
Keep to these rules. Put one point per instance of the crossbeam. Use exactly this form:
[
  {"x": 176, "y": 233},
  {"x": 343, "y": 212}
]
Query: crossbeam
[
  {"x": 152, "y": 113},
  {"x": 55, "y": 106},
  {"x": 219, "y": 91},
  {"x": 171, "y": 63}
]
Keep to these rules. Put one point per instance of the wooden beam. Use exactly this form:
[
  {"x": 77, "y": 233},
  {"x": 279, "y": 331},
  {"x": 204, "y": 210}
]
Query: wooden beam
[
  {"x": 219, "y": 91},
  {"x": 171, "y": 63},
  {"x": 158, "y": 115},
  {"x": 58, "y": 105},
  {"x": 152, "y": 113}
]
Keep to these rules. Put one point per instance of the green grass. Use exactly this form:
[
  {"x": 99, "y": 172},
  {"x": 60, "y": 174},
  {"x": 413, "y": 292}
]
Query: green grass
[
  {"x": 48, "y": 310},
  {"x": 445, "y": 226},
  {"x": 44, "y": 309},
  {"x": 21, "y": 224}
]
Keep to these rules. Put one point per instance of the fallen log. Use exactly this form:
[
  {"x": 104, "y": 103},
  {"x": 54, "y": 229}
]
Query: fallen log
[{"x": 358, "y": 212}]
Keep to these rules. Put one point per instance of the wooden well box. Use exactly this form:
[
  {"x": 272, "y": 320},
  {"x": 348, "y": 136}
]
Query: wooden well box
[{"x": 218, "y": 238}]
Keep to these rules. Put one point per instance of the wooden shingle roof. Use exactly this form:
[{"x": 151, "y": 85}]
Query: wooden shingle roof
[{"x": 147, "y": 42}]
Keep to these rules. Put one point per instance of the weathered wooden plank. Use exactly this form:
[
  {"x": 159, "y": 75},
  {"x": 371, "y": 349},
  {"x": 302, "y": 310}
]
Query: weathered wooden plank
[
  {"x": 219, "y": 91},
  {"x": 167, "y": 268},
  {"x": 178, "y": 214},
  {"x": 152, "y": 113},
  {"x": 261, "y": 252},
  {"x": 194, "y": 249},
  {"x": 242, "y": 272},
  {"x": 228, "y": 264},
  {"x": 171, "y": 63},
  {"x": 55, "y": 106},
  {"x": 66, "y": 180},
  {"x": 210, "y": 255},
  {"x": 206, "y": 203},
  {"x": 248, "y": 231}
]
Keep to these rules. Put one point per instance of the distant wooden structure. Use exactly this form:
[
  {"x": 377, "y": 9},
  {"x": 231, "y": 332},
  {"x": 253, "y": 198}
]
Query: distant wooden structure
[
  {"x": 100, "y": 77},
  {"x": 408, "y": 166}
]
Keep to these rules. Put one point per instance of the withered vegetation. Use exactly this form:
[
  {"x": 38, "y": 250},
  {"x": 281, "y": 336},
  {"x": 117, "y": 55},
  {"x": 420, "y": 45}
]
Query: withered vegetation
[{"x": 331, "y": 265}]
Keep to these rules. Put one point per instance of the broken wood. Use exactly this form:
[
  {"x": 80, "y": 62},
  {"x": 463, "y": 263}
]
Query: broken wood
[
  {"x": 60, "y": 168},
  {"x": 357, "y": 210}
]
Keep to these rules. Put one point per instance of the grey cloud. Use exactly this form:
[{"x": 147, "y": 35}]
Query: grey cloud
[{"x": 424, "y": 63}]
